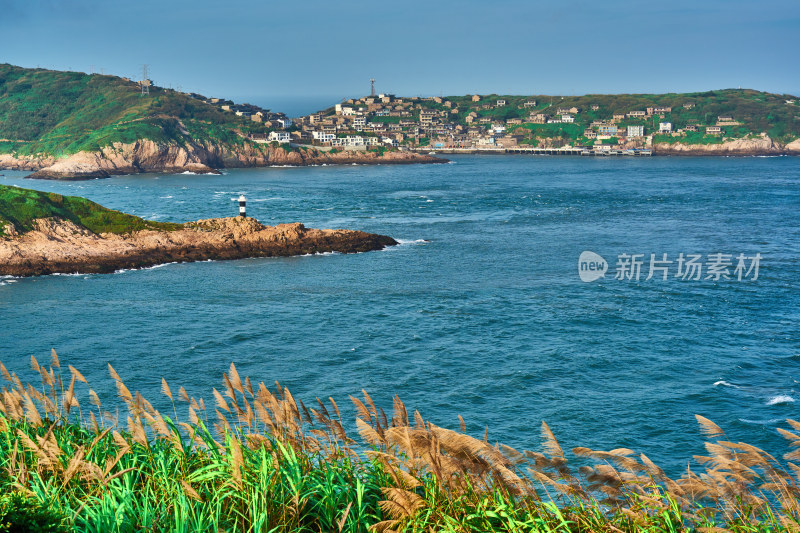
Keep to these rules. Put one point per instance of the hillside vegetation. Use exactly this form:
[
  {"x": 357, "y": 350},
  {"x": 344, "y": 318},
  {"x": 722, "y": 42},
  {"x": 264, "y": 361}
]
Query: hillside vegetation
[
  {"x": 20, "y": 207},
  {"x": 258, "y": 460},
  {"x": 755, "y": 112},
  {"x": 45, "y": 112}
]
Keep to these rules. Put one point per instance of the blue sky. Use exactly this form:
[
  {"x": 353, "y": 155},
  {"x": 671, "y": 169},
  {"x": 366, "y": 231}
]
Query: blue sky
[{"x": 321, "y": 51}]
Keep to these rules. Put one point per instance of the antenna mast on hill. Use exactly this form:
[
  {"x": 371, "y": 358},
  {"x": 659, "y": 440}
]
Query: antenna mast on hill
[
  {"x": 145, "y": 83},
  {"x": 372, "y": 86}
]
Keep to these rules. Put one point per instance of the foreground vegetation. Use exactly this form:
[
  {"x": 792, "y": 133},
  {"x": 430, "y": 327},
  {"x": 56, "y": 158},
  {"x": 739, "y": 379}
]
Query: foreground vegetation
[
  {"x": 20, "y": 207},
  {"x": 260, "y": 460}
]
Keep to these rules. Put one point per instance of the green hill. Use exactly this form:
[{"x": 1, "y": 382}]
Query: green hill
[
  {"x": 45, "y": 112},
  {"x": 20, "y": 207},
  {"x": 754, "y": 112}
]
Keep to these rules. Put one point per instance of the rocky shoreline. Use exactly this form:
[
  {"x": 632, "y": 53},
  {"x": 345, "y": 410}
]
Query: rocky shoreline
[
  {"x": 60, "y": 246},
  {"x": 757, "y": 146},
  {"x": 200, "y": 158}
]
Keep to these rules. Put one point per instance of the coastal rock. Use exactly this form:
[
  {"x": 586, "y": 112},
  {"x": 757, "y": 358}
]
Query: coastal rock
[
  {"x": 199, "y": 158},
  {"x": 793, "y": 147},
  {"x": 60, "y": 246},
  {"x": 762, "y": 145}
]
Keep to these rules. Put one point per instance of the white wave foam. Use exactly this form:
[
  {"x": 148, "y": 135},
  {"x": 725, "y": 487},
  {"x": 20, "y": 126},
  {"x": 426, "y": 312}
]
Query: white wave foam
[
  {"x": 723, "y": 383},
  {"x": 320, "y": 253},
  {"x": 780, "y": 399},
  {"x": 761, "y": 422},
  {"x": 406, "y": 241},
  {"x": 124, "y": 270},
  {"x": 165, "y": 197},
  {"x": 190, "y": 173}
]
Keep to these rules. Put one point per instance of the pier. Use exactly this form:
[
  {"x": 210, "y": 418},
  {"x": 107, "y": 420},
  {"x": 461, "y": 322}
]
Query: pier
[{"x": 532, "y": 150}]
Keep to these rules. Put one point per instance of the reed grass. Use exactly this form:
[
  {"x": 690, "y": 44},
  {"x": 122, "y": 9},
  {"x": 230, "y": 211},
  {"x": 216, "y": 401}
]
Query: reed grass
[{"x": 258, "y": 459}]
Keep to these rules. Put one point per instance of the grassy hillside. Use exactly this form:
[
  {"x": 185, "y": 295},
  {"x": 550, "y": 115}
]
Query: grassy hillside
[
  {"x": 755, "y": 111},
  {"x": 21, "y": 207},
  {"x": 259, "y": 460},
  {"x": 60, "y": 113}
]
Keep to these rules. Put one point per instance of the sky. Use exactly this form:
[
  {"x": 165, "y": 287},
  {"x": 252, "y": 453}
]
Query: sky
[{"x": 315, "y": 53}]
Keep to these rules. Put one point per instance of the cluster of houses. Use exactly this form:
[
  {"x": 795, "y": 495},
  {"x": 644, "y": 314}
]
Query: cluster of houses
[
  {"x": 467, "y": 123},
  {"x": 384, "y": 119},
  {"x": 265, "y": 117}
]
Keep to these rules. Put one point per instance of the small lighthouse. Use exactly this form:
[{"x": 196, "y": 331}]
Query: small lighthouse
[{"x": 242, "y": 206}]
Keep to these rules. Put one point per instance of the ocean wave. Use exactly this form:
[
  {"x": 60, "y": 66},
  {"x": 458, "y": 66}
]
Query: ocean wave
[
  {"x": 124, "y": 270},
  {"x": 723, "y": 383},
  {"x": 320, "y": 253},
  {"x": 165, "y": 197},
  {"x": 761, "y": 422},
  {"x": 417, "y": 241},
  {"x": 780, "y": 399}
]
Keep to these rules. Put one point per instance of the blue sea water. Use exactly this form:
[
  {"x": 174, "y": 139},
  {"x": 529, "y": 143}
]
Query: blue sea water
[{"x": 479, "y": 312}]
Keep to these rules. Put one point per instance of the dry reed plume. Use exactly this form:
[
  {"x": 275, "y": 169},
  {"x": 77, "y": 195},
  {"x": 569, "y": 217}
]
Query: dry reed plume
[{"x": 253, "y": 444}]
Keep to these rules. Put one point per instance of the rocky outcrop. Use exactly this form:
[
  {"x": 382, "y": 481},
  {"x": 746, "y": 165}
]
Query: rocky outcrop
[
  {"x": 149, "y": 156},
  {"x": 761, "y": 145},
  {"x": 60, "y": 246}
]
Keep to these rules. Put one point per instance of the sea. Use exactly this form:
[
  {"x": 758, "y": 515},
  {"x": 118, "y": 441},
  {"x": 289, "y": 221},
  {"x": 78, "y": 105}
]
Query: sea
[{"x": 481, "y": 310}]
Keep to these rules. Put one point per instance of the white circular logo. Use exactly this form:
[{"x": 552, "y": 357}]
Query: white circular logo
[{"x": 591, "y": 266}]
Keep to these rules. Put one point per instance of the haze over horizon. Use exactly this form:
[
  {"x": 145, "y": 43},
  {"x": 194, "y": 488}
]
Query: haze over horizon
[{"x": 323, "y": 52}]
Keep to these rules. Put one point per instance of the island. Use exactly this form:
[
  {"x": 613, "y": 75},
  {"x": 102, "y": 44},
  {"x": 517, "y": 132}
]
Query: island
[
  {"x": 47, "y": 233},
  {"x": 722, "y": 122},
  {"x": 73, "y": 125}
]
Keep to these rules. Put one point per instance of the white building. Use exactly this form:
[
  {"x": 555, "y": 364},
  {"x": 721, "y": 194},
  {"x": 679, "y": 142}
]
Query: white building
[
  {"x": 359, "y": 122},
  {"x": 353, "y": 141},
  {"x": 635, "y": 131},
  {"x": 323, "y": 137},
  {"x": 285, "y": 122},
  {"x": 501, "y": 103},
  {"x": 567, "y": 118},
  {"x": 280, "y": 136},
  {"x": 665, "y": 127}
]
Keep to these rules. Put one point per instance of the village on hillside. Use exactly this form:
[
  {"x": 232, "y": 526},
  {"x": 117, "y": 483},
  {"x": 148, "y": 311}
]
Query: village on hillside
[{"x": 599, "y": 125}]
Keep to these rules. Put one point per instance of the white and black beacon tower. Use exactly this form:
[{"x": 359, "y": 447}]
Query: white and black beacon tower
[{"x": 242, "y": 206}]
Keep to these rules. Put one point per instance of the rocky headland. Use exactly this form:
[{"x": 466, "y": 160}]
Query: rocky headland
[
  {"x": 61, "y": 246},
  {"x": 149, "y": 156},
  {"x": 761, "y": 145}
]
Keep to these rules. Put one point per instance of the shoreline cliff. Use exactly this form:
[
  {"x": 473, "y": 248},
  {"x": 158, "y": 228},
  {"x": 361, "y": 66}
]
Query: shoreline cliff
[
  {"x": 757, "y": 146},
  {"x": 201, "y": 158},
  {"x": 61, "y": 246}
]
